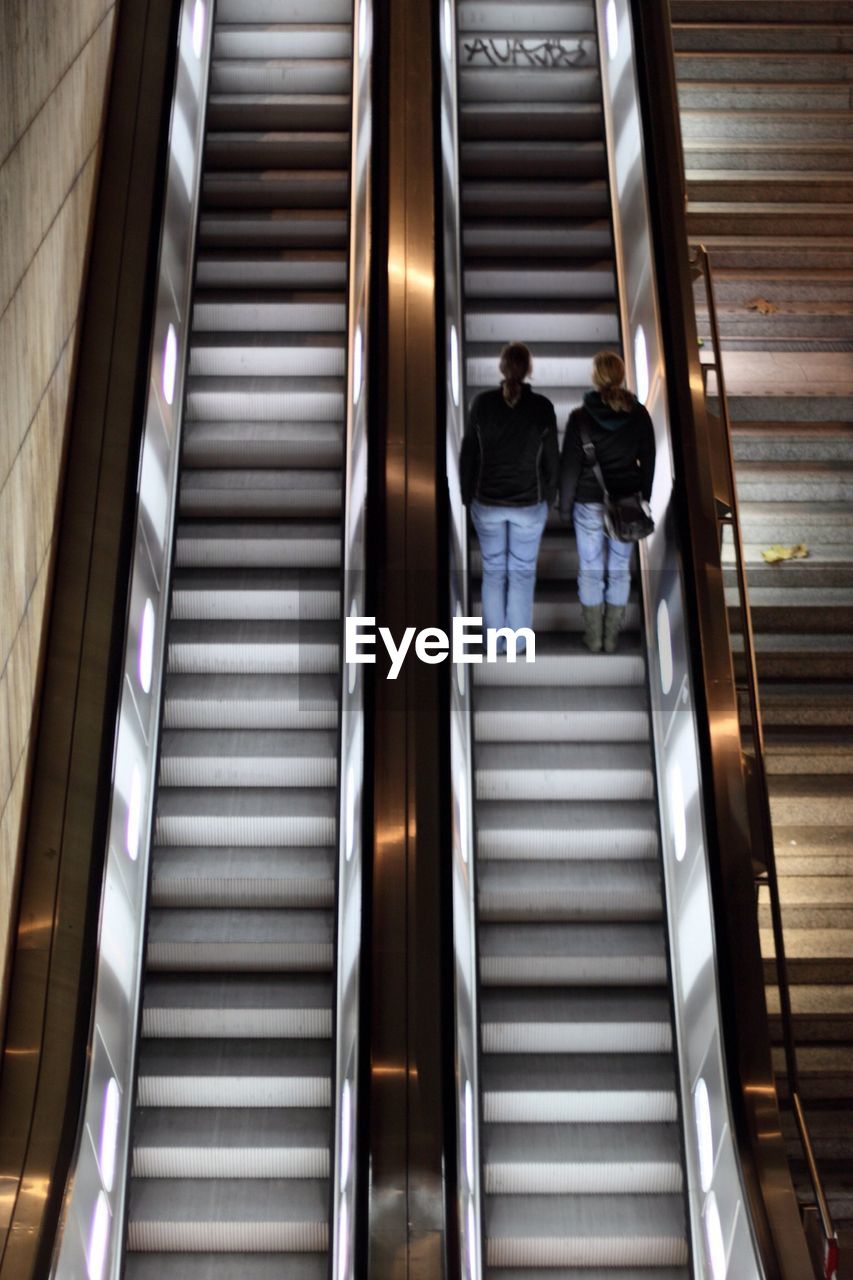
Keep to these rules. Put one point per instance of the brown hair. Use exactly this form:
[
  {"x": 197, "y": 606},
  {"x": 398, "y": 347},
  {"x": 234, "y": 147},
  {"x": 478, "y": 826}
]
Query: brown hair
[
  {"x": 608, "y": 378},
  {"x": 515, "y": 367}
]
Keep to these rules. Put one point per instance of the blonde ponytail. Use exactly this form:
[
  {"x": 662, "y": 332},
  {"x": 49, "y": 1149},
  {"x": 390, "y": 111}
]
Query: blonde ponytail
[{"x": 608, "y": 378}]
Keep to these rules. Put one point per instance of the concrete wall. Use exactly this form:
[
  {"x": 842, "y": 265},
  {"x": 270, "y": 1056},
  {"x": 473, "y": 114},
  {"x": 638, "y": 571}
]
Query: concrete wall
[{"x": 54, "y": 63}]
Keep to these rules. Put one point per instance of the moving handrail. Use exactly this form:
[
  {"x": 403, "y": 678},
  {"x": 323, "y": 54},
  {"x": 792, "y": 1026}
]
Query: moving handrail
[{"x": 755, "y": 768}]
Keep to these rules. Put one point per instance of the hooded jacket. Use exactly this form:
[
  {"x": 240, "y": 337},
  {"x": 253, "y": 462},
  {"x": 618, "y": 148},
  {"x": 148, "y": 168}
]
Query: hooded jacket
[
  {"x": 509, "y": 455},
  {"x": 625, "y": 448}
]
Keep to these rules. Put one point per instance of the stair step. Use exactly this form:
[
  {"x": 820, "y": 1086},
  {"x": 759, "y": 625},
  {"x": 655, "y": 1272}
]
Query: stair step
[
  {"x": 756, "y": 219},
  {"x": 553, "y": 368},
  {"x": 265, "y": 594},
  {"x": 237, "y": 1007},
  {"x": 183, "y": 1143},
  {"x": 282, "y": 75},
  {"x": 228, "y": 1214},
  {"x": 246, "y": 816},
  {"x": 538, "y": 121},
  {"x": 571, "y": 1088},
  {"x": 556, "y": 830},
  {"x": 246, "y": 112},
  {"x": 577, "y": 955},
  {"x": 539, "y": 714},
  {"x": 578, "y": 1159},
  {"x": 190, "y": 876},
  {"x": 518, "y": 1020},
  {"x": 224, "y": 1266},
  {"x": 578, "y": 82},
  {"x": 761, "y": 66},
  {"x": 264, "y": 229},
  {"x": 254, "y": 445},
  {"x": 791, "y": 95},
  {"x": 562, "y": 661},
  {"x": 574, "y": 890},
  {"x": 267, "y": 354},
  {"x": 540, "y": 318},
  {"x": 567, "y": 17},
  {"x": 313, "y": 38},
  {"x": 289, "y": 269},
  {"x": 252, "y": 648},
  {"x": 245, "y": 493},
  {"x": 225, "y": 1073},
  {"x": 290, "y": 544},
  {"x": 276, "y": 189},
  {"x": 539, "y": 160},
  {"x": 542, "y": 237},
  {"x": 251, "y": 702},
  {"x": 233, "y": 311},
  {"x": 734, "y": 11},
  {"x": 519, "y": 198},
  {"x": 248, "y": 758},
  {"x": 563, "y": 771}
]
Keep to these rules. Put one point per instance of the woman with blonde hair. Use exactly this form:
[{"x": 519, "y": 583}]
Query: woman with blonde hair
[
  {"x": 620, "y": 430},
  {"x": 509, "y": 465}
]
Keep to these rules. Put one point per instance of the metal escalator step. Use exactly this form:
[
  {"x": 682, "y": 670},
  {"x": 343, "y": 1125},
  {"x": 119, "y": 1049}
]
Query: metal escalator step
[
  {"x": 265, "y": 594},
  {"x": 262, "y": 399},
  {"x": 534, "y": 120},
  {"x": 292, "y": 269},
  {"x": 540, "y": 714},
  {"x": 516, "y": 198},
  {"x": 558, "y": 236},
  {"x": 302, "y": 228},
  {"x": 252, "y": 648},
  {"x": 243, "y": 877},
  {"x": 248, "y": 758},
  {"x": 223, "y": 1143},
  {"x": 563, "y": 662},
  {"x": 221, "y": 1006},
  {"x": 553, "y": 610},
  {"x": 233, "y": 311},
  {"x": 312, "y": 445},
  {"x": 551, "y": 306},
  {"x": 618, "y": 1020},
  {"x": 282, "y": 11},
  {"x": 555, "y": 830},
  {"x": 242, "y": 494},
  {"x": 268, "y": 354},
  {"x": 481, "y": 370},
  {"x": 566, "y": 17},
  {"x": 588, "y": 955},
  {"x": 228, "y": 1073},
  {"x": 264, "y": 188},
  {"x": 574, "y": 81},
  {"x": 603, "y": 1159},
  {"x": 563, "y": 771},
  {"x": 578, "y": 1088},
  {"x": 533, "y": 159},
  {"x": 610, "y": 1231},
  {"x": 290, "y": 544},
  {"x": 281, "y": 75},
  {"x": 246, "y": 816},
  {"x": 588, "y": 279},
  {"x": 273, "y": 151},
  {"x": 244, "y": 112},
  {"x": 250, "y": 701},
  {"x": 225, "y": 1266},
  {"x": 575, "y": 1273},
  {"x": 576, "y": 890},
  {"x": 256, "y": 1216},
  {"x": 314, "y": 37}
]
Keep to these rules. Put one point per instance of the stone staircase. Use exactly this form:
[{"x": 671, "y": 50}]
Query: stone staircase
[{"x": 766, "y": 91}]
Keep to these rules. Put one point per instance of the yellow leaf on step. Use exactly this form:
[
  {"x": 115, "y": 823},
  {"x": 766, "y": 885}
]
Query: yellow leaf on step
[
  {"x": 761, "y": 304},
  {"x": 777, "y": 552}
]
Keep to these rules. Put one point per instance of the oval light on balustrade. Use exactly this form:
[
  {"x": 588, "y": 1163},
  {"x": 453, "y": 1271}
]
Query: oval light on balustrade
[
  {"x": 99, "y": 1233},
  {"x": 362, "y": 28},
  {"x": 343, "y": 1240},
  {"x": 612, "y": 24},
  {"x": 133, "y": 822},
  {"x": 357, "y": 364},
  {"x": 108, "y": 1145},
  {"x": 704, "y": 1133},
  {"x": 641, "y": 364},
  {"x": 145, "y": 664},
  {"x": 198, "y": 27},
  {"x": 714, "y": 1238},
  {"x": 454, "y": 364},
  {"x": 472, "y": 1240},
  {"x": 665, "y": 658},
  {"x": 170, "y": 364},
  {"x": 346, "y": 1134},
  {"x": 448, "y": 28},
  {"x": 469, "y": 1134},
  {"x": 677, "y": 814}
]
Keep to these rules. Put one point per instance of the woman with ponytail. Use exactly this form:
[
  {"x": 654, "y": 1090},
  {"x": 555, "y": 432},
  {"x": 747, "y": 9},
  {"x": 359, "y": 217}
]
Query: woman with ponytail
[
  {"x": 509, "y": 466},
  {"x": 621, "y": 431}
]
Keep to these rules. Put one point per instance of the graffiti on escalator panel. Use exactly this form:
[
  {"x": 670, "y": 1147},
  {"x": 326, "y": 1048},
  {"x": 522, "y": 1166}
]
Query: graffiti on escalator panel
[{"x": 514, "y": 51}]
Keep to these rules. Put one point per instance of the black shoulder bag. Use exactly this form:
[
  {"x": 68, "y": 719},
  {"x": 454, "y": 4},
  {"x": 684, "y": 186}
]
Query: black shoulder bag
[{"x": 625, "y": 519}]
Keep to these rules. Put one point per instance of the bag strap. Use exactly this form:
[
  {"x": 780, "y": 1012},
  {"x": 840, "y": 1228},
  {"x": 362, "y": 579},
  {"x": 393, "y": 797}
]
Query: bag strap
[{"x": 590, "y": 455}]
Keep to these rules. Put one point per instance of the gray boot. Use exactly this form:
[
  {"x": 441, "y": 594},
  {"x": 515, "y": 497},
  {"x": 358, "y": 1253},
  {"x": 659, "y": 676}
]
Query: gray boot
[
  {"x": 593, "y": 622},
  {"x": 613, "y": 615}
]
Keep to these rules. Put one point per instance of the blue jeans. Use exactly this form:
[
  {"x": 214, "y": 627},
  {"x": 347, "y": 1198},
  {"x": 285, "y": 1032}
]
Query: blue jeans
[
  {"x": 597, "y": 553},
  {"x": 509, "y": 542}
]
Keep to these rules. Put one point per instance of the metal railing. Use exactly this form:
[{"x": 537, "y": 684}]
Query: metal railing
[{"x": 753, "y": 751}]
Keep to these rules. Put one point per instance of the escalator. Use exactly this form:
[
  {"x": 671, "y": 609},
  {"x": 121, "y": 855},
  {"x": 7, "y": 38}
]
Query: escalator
[
  {"x": 232, "y": 1126},
  {"x": 580, "y": 1103}
]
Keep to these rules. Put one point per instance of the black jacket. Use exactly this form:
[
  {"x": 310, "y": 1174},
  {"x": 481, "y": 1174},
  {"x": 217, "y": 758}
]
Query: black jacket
[
  {"x": 509, "y": 456},
  {"x": 625, "y": 448}
]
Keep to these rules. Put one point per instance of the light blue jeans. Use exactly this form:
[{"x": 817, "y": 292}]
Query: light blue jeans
[
  {"x": 509, "y": 542},
  {"x": 597, "y": 554}
]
